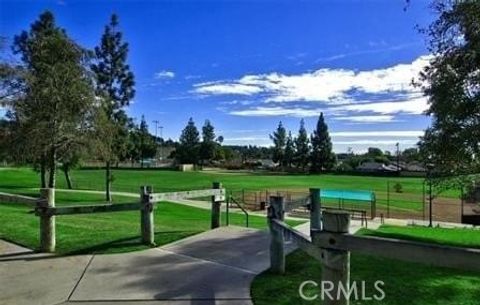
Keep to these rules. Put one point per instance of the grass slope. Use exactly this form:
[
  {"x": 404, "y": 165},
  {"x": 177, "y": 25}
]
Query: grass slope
[
  {"x": 405, "y": 283},
  {"x": 452, "y": 237}
]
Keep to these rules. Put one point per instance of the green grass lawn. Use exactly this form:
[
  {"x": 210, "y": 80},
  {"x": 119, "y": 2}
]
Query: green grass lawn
[
  {"x": 22, "y": 180},
  {"x": 163, "y": 180},
  {"x": 405, "y": 283},
  {"x": 110, "y": 232},
  {"x": 452, "y": 237}
]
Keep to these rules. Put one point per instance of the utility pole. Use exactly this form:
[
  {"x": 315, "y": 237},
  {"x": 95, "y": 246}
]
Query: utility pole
[
  {"x": 156, "y": 127},
  {"x": 398, "y": 157},
  {"x": 161, "y": 145}
]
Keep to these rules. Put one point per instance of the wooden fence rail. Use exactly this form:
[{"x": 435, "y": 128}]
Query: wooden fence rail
[
  {"x": 47, "y": 211},
  {"x": 15, "y": 198},
  {"x": 86, "y": 209},
  {"x": 217, "y": 191},
  {"x": 331, "y": 244}
]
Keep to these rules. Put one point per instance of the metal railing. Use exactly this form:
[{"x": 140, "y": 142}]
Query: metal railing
[{"x": 230, "y": 198}]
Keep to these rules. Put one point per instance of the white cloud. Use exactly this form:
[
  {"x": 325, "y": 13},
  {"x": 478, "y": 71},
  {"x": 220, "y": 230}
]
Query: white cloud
[
  {"x": 277, "y": 111},
  {"x": 416, "y": 105},
  {"x": 331, "y": 86},
  {"x": 238, "y": 89},
  {"x": 164, "y": 74},
  {"x": 246, "y": 139},
  {"x": 380, "y": 112},
  {"x": 376, "y": 142},
  {"x": 367, "y": 118},
  {"x": 380, "y": 133}
]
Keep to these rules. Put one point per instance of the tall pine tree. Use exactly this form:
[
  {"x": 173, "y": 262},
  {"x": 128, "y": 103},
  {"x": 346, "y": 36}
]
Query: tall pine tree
[
  {"x": 322, "y": 157},
  {"x": 115, "y": 88},
  {"x": 279, "y": 138},
  {"x": 188, "y": 150},
  {"x": 208, "y": 145},
  {"x": 52, "y": 115},
  {"x": 289, "y": 150},
  {"x": 302, "y": 147},
  {"x": 148, "y": 147}
]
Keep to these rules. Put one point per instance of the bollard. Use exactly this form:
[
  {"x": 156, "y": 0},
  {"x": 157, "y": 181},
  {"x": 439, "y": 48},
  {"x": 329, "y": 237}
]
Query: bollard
[
  {"x": 336, "y": 263},
  {"x": 216, "y": 205},
  {"x": 315, "y": 210},
  {"x": 146, "y": 216},
  {"x": 276, "y": 210}
]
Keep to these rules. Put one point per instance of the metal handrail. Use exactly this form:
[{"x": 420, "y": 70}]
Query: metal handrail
[{"x": 231, "y": 198}]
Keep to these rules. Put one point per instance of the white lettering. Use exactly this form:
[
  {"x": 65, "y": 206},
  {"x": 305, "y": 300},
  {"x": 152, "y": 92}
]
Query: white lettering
[{"x": 302, "y": 295}]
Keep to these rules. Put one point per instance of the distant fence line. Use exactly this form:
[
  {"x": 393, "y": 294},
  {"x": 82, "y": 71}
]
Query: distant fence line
[{"x": 397, "y": 200}]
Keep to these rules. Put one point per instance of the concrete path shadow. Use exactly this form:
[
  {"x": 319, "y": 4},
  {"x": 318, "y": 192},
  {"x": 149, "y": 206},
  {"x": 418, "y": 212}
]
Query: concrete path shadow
[{"x": 212, "y": 268}]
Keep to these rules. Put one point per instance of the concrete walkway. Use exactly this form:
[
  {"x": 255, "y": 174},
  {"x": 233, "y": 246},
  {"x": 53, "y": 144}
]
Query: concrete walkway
[{"x": 214, "y": 267}]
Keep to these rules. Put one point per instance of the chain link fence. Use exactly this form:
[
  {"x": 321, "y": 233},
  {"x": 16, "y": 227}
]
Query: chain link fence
[{"x": 398, "y": 200}]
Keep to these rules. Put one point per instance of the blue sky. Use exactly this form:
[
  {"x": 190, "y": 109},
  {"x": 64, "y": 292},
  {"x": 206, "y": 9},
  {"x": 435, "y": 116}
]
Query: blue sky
[{"x": 246, "y": 65}]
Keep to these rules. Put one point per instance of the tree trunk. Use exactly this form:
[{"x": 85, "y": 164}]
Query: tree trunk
[
  {"x": 43, "y": 173},
  {"x": 53, "y": 168},
  {"x": 66, "y": 170},
  {"x": 108, "y": 180}
]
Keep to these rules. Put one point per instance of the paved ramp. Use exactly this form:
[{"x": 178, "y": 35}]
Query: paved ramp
[{"x": 215, "y": 267}]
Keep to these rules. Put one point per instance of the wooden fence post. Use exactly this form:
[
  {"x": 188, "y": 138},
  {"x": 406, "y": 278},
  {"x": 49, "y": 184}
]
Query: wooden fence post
[
  {"x": 315, "y": 210},
  {"x": 276, "y": 210},
  {"x": 47, "y": 221},
  {"x": 146, "y": 216},
  {"x": 216, "y": 205},
  {"x": 335, "y": 263}
]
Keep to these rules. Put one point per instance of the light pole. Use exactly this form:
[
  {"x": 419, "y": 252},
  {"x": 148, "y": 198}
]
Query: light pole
[
  {"x": 156, "y": 127},
  {"x": 398, "y": 157},
  {"x": 156, "y": 137}
]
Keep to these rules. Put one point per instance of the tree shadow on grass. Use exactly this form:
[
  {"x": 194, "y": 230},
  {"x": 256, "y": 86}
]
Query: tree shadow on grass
[
  {"x": 121, "y": 245},
  {"x": 131, "y": 243}
]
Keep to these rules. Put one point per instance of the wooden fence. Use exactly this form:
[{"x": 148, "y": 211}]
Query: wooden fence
[
  {"x": 47, "y": 211},
  {"x": 331, "y": 244},
  {"x": 15, "y": 198}
]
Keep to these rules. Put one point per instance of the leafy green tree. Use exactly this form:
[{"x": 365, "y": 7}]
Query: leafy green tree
[
  {"x": 71, "y": 160},
  {"x": 322, "y": 158},
  {"x": 374, "y": 152},
  {"x": 52, "y": 115},
  {"x": 451, "y": 82},
  {"x": 279, "y": 138},
  {"x": 188, "y": 150},
  {"x": 147, "y": 145},
  {"x": 208, "y": 146},
  {"x": 115, "y": 89},
  {"x": 411, "y": 154},
  {"x": 302, "y": 147},
  {"x": 289, "y": 150}
]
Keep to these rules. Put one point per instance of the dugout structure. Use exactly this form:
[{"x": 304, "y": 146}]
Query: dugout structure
[{"x": 349, "y": 199}]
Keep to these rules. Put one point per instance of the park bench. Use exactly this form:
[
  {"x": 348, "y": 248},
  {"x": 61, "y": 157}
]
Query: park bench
[{"x": 357, "y": 214}]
